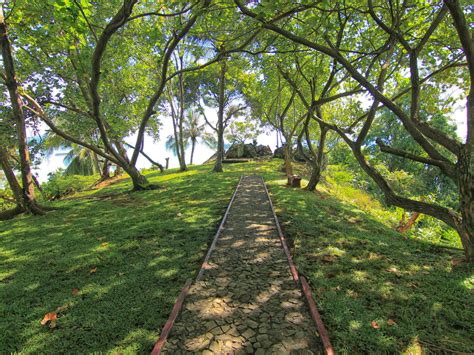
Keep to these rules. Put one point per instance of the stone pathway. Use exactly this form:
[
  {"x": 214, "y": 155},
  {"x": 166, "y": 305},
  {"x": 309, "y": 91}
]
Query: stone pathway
[{"x": 246, "y": 301}]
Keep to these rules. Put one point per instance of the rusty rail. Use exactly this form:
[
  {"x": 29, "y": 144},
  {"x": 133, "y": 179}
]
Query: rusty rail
[
  {"x": 205, "y": 264},
  {"x": 173, "y": 315},
  {"x": 180, "y": 300},
  {"x": 313, "y": 310}
]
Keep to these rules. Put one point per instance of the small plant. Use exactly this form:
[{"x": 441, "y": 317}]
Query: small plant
[{"x": 59, "y": 185}]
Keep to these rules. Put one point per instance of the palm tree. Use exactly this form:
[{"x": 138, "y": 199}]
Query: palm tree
[
  {"x": 78, "y": 160},
  {"x": 193, "y": 132}
]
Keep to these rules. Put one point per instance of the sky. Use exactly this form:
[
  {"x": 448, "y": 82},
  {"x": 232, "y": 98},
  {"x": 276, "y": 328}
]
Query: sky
[
  {"x": 158, "y": 152},
  {"x": 155, "y": 150}
]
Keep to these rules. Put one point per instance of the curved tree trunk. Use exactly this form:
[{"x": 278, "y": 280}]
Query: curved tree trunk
[
  {"x": 28, "y": 191},
  {"x": 220, "y": 120},
  {"x": 139, "y": 181},
  {"x": 193, "y": 144},
  {"x": 11, "y": 178},
  {"x": 287, "y": 157},
  {"x": 317, "y": 163},
  {"x": 315, "y": 176},
  {"x": 465, "y": 169}
]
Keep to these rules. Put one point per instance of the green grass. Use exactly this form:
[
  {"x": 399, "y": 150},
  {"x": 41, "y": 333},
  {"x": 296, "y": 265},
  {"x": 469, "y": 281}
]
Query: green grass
[
  {"x": 361, "y": 272},
  {"x": 144, "y": 246}
]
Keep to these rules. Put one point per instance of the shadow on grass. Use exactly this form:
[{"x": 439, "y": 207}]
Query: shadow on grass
[
  {"x": 377, "y": 291},
  {"x": 110, "y": 267}
]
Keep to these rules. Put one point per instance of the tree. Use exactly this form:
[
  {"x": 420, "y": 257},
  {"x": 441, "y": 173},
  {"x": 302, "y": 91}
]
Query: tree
[
  {"x": 223, "y": 94},
  {"x": 91, "y": 72},
  {"x": 28, "y": 199},
  {"x": 195, "y": 131},
  {"x": 413, "y": 38}
]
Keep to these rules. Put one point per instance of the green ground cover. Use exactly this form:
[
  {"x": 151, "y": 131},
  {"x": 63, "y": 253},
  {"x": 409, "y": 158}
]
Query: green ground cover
[{"x": 114, "y": 262}]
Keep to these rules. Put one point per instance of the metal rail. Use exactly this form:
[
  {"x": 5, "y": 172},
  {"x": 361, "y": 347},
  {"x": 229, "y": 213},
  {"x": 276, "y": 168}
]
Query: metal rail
[
  {"x": 180, "y": 300},
  {"x": 313, "y": 310}
]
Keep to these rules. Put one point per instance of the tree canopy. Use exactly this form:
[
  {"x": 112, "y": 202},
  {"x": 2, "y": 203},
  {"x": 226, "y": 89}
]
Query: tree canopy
[{"x": 376, "y": 78}]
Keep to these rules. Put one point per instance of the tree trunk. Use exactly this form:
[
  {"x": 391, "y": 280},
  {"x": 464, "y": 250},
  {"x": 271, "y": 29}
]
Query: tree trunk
[
  {"x": 403, "y": 226},
  {"x": 315, "y": 176},
  {"x": 193, "y": 144},
  {"x": 37, "y": 183},
  {"x": 105, "y": 172},
  {"x": 122, "y": 151},
  {"x": 287, "y": 156},
  {"x": 29, "y": 199},
  {"x": 95, "y": 160},
  {"x": 139, "y": 181},
  {"x": 318, "y": 161},
  {"x": 11, "y": 178},
  {"x": 180, "y": 142},
  {"x": 220, "y": 120},
  {"x": 465, "y": 169}
]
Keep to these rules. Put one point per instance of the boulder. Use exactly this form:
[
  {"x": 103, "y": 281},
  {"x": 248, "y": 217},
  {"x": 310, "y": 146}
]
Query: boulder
[
  {"x": 242, "y": 151},
  {"x": 278, "y": 153}
]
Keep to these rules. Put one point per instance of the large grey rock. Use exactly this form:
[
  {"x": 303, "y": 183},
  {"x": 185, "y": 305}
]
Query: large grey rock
[{"x": 241, "y": 150}]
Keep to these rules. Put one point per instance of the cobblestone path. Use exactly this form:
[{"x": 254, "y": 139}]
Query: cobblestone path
[{"x": 246, "y": 301}]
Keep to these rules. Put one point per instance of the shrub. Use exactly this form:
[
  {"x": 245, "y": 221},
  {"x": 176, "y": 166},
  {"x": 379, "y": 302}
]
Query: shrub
[{"x": 59, "y": 185}]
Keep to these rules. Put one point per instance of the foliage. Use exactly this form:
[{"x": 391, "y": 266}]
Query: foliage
[
  {"x": 60, "y": 184},
  {"x": 98, "y": 263}
]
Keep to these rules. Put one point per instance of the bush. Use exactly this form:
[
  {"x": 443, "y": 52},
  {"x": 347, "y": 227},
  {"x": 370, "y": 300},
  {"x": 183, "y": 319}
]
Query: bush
[
  {"x": 59, "y": 185},
  {"x": 6, "y": 199}
]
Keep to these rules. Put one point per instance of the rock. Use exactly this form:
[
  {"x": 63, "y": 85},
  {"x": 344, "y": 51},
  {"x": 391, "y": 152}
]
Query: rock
[
  {"x": 278, "y": 153},
  {"x": 241, "y": 150},
  {"x": 249, "y": 333},
  {"x": 252, "y": 324}
]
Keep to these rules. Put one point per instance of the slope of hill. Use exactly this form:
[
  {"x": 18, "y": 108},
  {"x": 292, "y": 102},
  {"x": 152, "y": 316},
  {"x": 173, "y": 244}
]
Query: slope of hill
[{"x": 109, "y": 264}]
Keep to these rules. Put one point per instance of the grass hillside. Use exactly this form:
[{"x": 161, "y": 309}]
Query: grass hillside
[{"x": 110, "y": 263}]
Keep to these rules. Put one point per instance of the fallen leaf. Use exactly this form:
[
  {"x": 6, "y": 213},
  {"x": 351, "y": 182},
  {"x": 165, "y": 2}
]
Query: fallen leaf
[
  {"x": 179, "y": 214},
  {"x": 391, "y": 322},
  {"x": 104, "y": 244},
  {"x": 456, "y": 262},
  {"x": 93, "y": 270},
  {"x": 375, "y": 325},
  {"x": 75, "y": 291},
  {"x": 49, "y": 317}
]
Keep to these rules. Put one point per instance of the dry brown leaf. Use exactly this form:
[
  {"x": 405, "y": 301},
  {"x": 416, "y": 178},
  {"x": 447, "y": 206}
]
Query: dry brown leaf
[
  {"x": 456, "y": 262},
  {"x": 391, "y": 322},
  {"x": 75, "y": 291},
  {"x": 375, "y": 325},
  {"x": 93, "y": 270},
  {"x": 49, "y": 317}
]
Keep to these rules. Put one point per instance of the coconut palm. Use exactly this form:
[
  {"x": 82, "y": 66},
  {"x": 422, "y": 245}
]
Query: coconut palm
[
  {"x": 193, "y": 132},
  {"x": 78, "y": 160}
]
